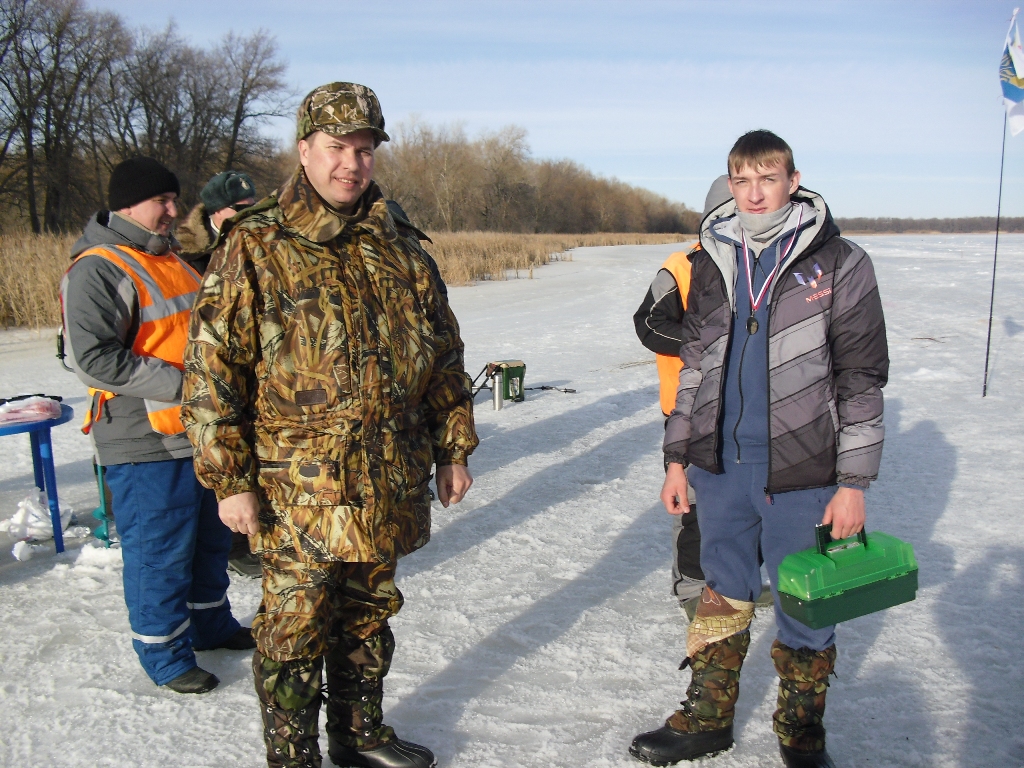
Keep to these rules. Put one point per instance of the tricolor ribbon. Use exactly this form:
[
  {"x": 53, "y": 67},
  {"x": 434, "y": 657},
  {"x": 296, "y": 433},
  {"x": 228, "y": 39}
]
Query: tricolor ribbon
[{"x": 756, "y": 303}]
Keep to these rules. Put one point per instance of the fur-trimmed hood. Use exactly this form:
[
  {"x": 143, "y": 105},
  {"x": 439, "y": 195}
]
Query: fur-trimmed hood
[{"x": 196, "y": 235}]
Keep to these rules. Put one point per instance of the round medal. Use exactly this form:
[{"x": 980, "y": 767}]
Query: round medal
[{"x": 751, "y": 326}]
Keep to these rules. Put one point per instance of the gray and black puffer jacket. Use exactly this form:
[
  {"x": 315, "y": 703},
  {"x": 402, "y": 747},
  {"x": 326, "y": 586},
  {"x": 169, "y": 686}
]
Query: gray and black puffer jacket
[
  {"x": 101, "y": 320},
  {"x": 827, "y": 358}
]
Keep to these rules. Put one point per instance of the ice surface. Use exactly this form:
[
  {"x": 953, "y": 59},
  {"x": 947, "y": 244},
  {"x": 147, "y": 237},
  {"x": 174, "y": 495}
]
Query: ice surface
[{"x": 538, "y": 630}]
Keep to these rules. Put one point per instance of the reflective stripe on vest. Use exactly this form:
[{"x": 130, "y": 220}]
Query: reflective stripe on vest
[
  {"x": 669, "y": 366},
  {"x": 166, "y": 288}
]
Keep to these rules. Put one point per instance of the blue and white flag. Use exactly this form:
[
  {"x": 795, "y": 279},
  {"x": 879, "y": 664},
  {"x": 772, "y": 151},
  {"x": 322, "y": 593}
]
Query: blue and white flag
[{"x": 1011, "y": 77}]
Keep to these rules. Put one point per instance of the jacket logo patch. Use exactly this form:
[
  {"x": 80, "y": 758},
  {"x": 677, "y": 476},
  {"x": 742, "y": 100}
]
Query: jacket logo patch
[
  {"x": 809, "y": 280},
  {"x": 310, "y": 397},
  {"x": 819, "y": 295}
]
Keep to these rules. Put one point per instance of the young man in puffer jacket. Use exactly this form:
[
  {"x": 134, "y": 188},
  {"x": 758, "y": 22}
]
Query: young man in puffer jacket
[{"x": 779, "y": 415}]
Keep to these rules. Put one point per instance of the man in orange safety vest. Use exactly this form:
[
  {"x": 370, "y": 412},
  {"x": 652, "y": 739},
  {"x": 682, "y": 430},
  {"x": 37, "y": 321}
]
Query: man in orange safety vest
[{"x": 127, "y": 299}]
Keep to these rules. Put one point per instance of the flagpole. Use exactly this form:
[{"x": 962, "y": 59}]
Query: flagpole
[{"x": 995, "y": 256}]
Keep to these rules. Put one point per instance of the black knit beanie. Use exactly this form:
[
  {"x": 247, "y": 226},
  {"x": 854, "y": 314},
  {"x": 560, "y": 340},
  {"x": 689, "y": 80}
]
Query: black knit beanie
[{"x": 138, "y": 179}]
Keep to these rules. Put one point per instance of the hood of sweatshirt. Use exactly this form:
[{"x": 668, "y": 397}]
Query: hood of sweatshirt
[
  {"x": 720, "y": 232},
  {"x": 111, "y": 228}
]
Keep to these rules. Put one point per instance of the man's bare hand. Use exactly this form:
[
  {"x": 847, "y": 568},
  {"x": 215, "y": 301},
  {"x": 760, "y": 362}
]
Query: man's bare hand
[
  {"x": 240, "y": 513},
  {"x": 453, "y": 481},
  {"x": 845, "y": 512},
  {"x": 673, "y": 492}
]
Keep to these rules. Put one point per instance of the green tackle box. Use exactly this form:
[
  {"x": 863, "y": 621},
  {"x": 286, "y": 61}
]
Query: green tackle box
[
  {"x": 513, "y": 376},
  {"x": 839, "y": 580}
]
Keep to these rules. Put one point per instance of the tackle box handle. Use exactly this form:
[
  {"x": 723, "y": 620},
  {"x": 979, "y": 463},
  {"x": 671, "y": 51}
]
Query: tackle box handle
[{"x": 823, "y": 537}]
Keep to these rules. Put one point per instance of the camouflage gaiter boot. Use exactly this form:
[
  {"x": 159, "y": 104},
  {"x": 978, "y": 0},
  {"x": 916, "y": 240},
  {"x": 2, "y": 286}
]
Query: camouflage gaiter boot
[
  {"x": 289, "y": 694},
  {"x": 704, "y": 724},
  {"x": 714, "y": 686},
  {"x": 355, "y": 690},
  {"x": 803, "y": 682}
]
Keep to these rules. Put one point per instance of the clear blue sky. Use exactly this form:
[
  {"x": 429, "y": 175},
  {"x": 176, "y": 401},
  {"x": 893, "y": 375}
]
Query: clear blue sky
[{"x": 892, "y": 108}]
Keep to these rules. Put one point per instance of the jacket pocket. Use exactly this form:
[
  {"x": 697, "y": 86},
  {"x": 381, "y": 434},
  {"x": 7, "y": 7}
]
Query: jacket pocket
[
  {"x": 302, "y": 482},
  {"x": 408, "y": 457}
]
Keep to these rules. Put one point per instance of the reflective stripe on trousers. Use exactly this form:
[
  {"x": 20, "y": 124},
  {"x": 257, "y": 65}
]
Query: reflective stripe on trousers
[{"x": 162, "y": 638}]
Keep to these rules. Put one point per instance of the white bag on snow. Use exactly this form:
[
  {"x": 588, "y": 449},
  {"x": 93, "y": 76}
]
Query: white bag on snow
[{"x": 32, "y": 520}]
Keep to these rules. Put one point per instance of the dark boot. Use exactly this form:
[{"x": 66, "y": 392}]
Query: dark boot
[
  {"x": 242, "y": 640},
  {"x": 289, "y": 694},
  {"x": 196, "y": 680},
  {"x": 704, "y": 725},
  {"x": 241, "y": 560},
  {"x": 356, "y": 732},
  {"x": 803, "y": 682}
]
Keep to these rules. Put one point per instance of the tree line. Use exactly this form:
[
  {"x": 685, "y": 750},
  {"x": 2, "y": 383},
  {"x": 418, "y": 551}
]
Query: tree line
[
  {"x": 80, "y": 91},
  {"x": 963, "y": 225},
  {"x": 447, "y": 181}
]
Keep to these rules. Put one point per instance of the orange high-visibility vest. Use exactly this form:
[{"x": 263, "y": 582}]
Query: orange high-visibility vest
[
  {"x": 670, "y": 365},
  {"x": 166, "y": 287}
]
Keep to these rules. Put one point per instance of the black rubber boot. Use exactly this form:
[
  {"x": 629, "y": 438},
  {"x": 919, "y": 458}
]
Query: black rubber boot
[
  {"x": 794, "y": 758},
  {"x": 246, "y": 565},
  {"x": 395, "y": 754},
  {"x": 289, "y": 694},
  {"x": 196, "y": 680},
  {"x": 704, "y": 724},
  {"x": 667, "y": 746}
]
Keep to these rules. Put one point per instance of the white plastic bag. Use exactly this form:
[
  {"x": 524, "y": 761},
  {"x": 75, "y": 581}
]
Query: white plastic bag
[{"x": 32, "y": 520}]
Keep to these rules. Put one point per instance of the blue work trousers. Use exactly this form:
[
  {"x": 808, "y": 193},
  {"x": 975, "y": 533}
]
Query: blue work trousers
[
  {"x": 739, "y": 526},
  {"x": 175, "y": 552}
]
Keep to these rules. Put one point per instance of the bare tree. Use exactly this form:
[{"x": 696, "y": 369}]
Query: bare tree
[
  {"x": 256, "y": 89},
  {"x": 24, "y": 80},
  {"x": 54, "y": 51},
  {"x": 507, "y": 197}
]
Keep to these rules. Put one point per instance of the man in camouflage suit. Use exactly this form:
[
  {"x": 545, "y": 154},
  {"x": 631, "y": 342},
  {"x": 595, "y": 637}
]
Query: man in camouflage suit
[{"x": 324, "y": 376}]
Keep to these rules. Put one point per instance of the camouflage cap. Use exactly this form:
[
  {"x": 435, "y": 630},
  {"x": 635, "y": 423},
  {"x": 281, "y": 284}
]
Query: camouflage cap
[{"x": 340, "y": 108}]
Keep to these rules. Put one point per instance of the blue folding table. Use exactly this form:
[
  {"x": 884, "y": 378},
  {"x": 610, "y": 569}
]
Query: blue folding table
[{"x": 42, "y": 462}]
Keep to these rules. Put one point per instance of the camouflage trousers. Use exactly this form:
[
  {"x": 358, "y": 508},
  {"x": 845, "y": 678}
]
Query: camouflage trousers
[
  {"x": 312, "y": 612},
  {"x": 307, "y": 607}
]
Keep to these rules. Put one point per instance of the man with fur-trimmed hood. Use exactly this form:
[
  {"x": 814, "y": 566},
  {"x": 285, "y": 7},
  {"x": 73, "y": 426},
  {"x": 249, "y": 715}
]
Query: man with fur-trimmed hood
[{"x": 224, "y": 195}]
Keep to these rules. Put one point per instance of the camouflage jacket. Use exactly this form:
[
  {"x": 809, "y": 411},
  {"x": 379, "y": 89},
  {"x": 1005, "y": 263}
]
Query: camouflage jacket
[{"x": 324, "y": 372}]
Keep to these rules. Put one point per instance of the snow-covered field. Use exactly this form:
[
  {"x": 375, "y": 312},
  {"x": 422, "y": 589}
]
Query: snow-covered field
[{"x": 538, "y": 629}]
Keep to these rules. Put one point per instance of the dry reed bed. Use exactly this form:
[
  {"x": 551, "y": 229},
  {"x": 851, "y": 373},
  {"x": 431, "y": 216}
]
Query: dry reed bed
[
  {"x": 30, "y": 270},
  {"x": 31, "y": 265},
  {"x": 464, "y": 257}
]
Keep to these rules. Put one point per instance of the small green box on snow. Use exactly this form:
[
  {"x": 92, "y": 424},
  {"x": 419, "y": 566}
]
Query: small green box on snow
[
  {"x": 513, "y": 375},
  {"x": 840, "y": 580}
]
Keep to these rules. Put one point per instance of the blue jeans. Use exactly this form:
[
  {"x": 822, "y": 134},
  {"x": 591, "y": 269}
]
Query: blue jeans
[
  {"x": 175, "y": 552},
  {"x": 739, "y": 527}
]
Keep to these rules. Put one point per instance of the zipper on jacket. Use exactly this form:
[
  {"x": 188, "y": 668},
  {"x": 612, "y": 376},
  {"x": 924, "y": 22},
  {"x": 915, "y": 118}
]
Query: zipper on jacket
[{"x": 720, "y": 416}]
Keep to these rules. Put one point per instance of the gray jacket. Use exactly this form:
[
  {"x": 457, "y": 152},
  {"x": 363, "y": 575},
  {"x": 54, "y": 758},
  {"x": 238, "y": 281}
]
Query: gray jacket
[
  {"x": 827, "y": 358},
  {"x": 101, "y": 318}
]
